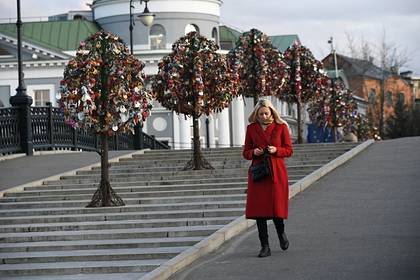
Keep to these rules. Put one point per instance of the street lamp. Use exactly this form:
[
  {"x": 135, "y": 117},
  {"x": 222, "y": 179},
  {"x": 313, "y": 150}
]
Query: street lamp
[
  {"x": 146, "y": 18},
  {"x": 334, "y": 128},
  {"x": 331, "y": 42},
  {"x": 21, "y": 99}
]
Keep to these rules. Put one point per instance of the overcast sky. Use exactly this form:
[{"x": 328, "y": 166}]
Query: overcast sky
[{"x": 313, "y": 21}]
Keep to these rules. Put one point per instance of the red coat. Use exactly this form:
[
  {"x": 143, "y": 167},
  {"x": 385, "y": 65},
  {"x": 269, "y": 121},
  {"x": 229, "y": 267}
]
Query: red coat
[{"x": 269, "y": 197}]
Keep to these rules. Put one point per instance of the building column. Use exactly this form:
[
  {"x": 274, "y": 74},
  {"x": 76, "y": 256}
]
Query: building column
[
  {"x": 238, "y": 121},
  {"x": 211, "y": 131},
  {"x": 284, "y": 108},
  {"x": 224, "y": 129},
  {"x": 176, "y": 131},
  {"x": 184, "y": 132}
]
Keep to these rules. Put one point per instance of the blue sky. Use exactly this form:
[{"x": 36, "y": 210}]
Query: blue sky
[{"x": 313, "y": 21}]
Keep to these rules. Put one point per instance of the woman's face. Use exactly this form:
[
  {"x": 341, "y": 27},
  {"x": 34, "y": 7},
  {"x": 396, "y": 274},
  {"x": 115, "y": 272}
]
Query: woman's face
[{"x": 264, "y": 114}]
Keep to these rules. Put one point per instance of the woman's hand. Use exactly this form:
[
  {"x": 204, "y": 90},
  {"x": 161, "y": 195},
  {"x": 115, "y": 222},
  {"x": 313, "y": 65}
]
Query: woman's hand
[
  {"x": 258, "y": 151},
  {"x": 272, "y": 149}
]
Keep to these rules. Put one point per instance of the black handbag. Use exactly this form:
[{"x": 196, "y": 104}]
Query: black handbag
[{"x": 262, "y": 170}]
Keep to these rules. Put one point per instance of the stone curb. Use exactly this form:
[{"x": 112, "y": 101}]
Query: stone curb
[
  {"x": 8, "y": 157},
  {"x": 20, "y": 188},
  {"x": 240, "y": 224},
  {"x": 37, "y": 153}
]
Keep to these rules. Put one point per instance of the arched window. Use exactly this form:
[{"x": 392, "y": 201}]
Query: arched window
[
  {"x": 191, "y": 27},
  {"x": 372, "y": 96},
  {"x": 78, "y": 17},
  {"x": 388, "y": 98},
  {"x": 157, "y": 37},
  {"x": 214, "y": 35}
]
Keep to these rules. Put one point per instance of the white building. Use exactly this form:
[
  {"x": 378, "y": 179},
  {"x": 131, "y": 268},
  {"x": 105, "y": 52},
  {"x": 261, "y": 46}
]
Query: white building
[{"x": 48, "y": 45}]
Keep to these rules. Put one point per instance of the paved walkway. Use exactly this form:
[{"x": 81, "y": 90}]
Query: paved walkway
[
  {"x": 362, "y": 221},
  {"x": 21, "y": 170}
]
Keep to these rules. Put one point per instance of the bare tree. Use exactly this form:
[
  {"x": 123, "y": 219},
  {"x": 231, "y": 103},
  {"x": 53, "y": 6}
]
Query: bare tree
[
  {"x": 385, "y": 54},
  {"x": 391, "y": 56},
  {"x": 361, "y": 50}
]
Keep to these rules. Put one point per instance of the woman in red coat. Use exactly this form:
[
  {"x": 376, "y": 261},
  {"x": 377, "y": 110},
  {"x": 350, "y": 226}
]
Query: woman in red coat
[{"x": 268, "y": 198}]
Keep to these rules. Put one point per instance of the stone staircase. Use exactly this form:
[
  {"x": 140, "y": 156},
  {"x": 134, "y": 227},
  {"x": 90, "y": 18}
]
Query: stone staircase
[{"x": 47, "y": 233}]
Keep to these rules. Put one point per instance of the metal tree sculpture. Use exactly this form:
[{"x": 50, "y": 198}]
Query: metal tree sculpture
[
  {"x": 103, "y": 90},
  {"x": 307, "y": 79},
  {"x": 365, "y": 127},
  {"x": 194, "y": 79},
  {"x": 335, "y": 108},
  {"x": 259, "y": 65}
]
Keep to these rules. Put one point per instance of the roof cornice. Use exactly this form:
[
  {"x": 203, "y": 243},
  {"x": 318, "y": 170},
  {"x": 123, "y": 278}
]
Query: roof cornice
[
  {"x": 59, "y": 63},
  {"x": 33, "y": 47},
  {"x": 35, "y": 64}
]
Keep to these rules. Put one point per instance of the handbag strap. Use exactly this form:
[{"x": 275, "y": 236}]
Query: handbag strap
[
  {"x": 267, "y": 161},
  {"x": 267, "y": 157}
]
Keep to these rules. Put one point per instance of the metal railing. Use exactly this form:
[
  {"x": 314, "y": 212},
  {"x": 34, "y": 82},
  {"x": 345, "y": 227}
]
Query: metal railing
[
  {"x": 9, "y": 130},
  {"x": 50, "y": 132}
]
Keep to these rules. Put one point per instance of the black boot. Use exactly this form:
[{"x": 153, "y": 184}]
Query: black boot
[
  {"x": 263, "y": 236},
  {"x": 284, "y": 242},
  {"x": 265, "y": 251}
]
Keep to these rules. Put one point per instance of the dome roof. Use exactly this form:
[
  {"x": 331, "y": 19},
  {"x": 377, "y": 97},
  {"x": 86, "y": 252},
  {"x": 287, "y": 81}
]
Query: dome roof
[{"x": 109, "y": 8}]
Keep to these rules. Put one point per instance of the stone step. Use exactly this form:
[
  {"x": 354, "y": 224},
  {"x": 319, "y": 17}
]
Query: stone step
[
  {"x": 91, "y": 188},
  {"x": 223, "y": 158},
  {"x": 221, "y": 161},
  {"x": 125, "y": 209},
  {"x": 218, "y": 156},
  {"x": 162, "y": 180},
  {"x": 226, "y": 164},
  {"x": 174, "y": 167},
  {"x": 196, "y": 213},
  {"x": 169, "y": 169},
  {"x": 149, "y": 176},
  {"x": 125, "y": 187},
  {"x": 138, "y": 194},
  {"x": 127, "y": 201},
  {"x": 296, "y": 147},
  {"x": 171, "y": 174},
  {"x": 129, "y": 185},
  {"x": 163, "y": 172},
  {"x": 116, "y": 178},
  {"x": 100, "y": 244},
  {"x": 148, "y": 183},
  {"x": 90, "y": 276},
  {"x": 91, "y": 255},
  {"x": 54, "y": 268},
  {"x": 115, "y": 224},
  {"x": 179, "y": 171},
  {"x": 108, "y": 234},
  {"x": 187, "y": 156}
]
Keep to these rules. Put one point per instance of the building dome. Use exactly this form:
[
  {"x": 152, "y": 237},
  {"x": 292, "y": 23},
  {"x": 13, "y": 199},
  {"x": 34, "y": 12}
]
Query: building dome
[{"x": 173, "y": 19}]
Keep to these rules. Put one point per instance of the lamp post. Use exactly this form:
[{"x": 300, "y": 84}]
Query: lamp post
[
  {"x": 21, "y": 99},
  {"x": 381, "y": 103},
  {"x": 334, "y": 129},
  {"x": 331, "y": 42},
  {"x": 207, "y": 133},
  {"x": 146, "y": 18}
]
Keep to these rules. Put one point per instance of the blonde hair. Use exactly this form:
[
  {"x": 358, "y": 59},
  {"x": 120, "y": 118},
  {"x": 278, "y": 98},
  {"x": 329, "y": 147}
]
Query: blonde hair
[{"x": 265, "y": 103}]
